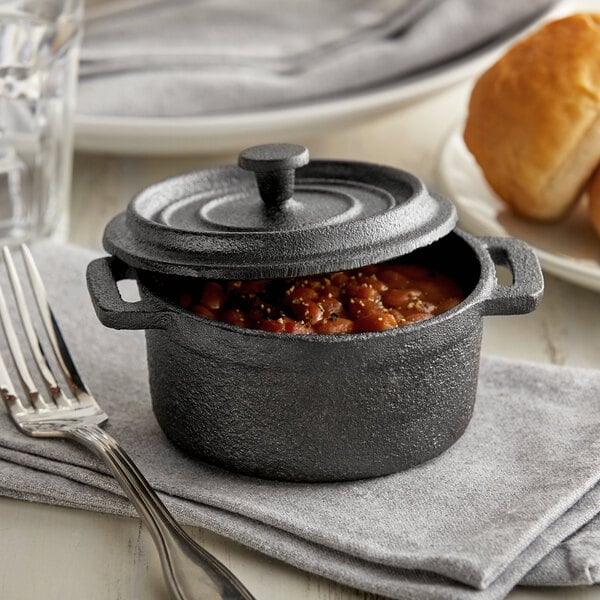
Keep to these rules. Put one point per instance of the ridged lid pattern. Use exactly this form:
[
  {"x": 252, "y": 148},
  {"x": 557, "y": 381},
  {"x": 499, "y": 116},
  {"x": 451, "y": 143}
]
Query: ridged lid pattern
[{"x": 278, "y": 216}]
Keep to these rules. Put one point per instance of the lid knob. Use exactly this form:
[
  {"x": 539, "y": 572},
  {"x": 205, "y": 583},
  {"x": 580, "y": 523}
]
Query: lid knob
[{"x": 274, "y": 167}]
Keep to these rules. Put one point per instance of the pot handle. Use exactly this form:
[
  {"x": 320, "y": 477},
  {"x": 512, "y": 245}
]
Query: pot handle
[
  {"x": 525, "y": 293},
  {"x": 102, "y": 277}
]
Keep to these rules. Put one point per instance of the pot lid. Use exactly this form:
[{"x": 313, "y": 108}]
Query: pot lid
[{"x": 277, "y": 215}]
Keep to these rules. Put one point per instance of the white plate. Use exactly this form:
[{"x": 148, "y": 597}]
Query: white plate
[
  {"x": 223, "y": 133},
  {"x": 569, "y": 250}
]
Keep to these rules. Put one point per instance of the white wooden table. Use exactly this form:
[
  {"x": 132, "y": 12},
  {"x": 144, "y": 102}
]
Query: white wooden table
[{"x": 113, "y": 558}]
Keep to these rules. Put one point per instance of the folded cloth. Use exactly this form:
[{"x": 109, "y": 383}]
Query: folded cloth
[
  {"x": 515, "y": 499},
  {"x": 192, "y": 57}
]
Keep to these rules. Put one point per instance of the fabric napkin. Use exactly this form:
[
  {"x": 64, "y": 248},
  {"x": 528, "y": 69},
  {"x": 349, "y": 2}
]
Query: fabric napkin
[
  {"x": 154, "y": 58},
  {"x": 516, "y": 499}
]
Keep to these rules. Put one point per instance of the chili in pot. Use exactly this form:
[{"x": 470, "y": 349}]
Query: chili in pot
[{"x": 373, "y": 298}]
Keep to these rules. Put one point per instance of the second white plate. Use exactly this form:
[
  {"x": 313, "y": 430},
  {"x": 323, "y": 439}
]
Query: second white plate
[{"x": 569, "y": 250}]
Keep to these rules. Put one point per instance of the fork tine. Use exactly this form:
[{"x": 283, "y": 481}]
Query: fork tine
[
  {"x": 10, "y": 397},
  {"x": 23, "y": 371},
  {"x": 32, "y": 338},
  {"x": 11, "y": 400},
  {"x": 55, "y": 336}
]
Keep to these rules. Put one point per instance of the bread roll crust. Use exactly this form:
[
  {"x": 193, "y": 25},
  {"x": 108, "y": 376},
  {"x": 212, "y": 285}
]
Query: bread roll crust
[{"x": 534, "y": 118}]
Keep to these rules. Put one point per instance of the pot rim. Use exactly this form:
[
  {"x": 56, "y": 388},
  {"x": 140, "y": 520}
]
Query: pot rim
[
  {"x": 474, "y": 298},
  {"x": 487, "y": 297}
]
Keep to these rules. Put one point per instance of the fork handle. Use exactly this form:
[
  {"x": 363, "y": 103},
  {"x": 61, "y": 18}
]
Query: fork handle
[{"x": 191, "y": 572}]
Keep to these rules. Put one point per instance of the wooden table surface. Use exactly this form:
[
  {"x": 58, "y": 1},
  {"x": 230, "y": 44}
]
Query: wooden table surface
[{"x": 112, "y": 558}]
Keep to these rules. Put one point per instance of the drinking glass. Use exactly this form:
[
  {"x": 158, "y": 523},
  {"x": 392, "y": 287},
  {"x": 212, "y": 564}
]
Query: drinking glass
[{"x": 39, "y": 56}]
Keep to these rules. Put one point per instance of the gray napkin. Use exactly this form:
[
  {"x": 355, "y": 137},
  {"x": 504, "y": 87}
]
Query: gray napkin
[
  {"x": 193, "y": 57},
  {"x": 515, "y": 499}
]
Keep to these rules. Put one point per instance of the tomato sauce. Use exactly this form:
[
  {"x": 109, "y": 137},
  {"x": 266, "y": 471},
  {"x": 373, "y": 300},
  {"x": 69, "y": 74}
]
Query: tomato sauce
[{"x": 373, "y": 298}]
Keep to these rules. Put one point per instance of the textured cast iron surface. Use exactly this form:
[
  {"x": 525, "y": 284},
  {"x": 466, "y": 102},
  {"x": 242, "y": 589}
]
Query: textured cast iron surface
[
  {"x": 213, "y": 223},
  {"x": 314, "y": 411},
  {"x": 323, "y": 408}
]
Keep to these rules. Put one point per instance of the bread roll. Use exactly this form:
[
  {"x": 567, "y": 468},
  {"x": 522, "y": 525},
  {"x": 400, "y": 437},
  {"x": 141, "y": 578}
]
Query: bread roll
[
  {"x": 594, "y": 200},
  {"x": 534, "y": 118}
]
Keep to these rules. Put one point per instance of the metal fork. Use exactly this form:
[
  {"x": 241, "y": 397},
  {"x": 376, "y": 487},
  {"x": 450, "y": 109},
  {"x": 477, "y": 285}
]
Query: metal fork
[{"x": 190, "y": 571}]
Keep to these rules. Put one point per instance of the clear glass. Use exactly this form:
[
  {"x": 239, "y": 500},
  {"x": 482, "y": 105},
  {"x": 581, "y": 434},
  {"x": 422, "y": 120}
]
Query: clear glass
[{"x": 39, "y": 57}]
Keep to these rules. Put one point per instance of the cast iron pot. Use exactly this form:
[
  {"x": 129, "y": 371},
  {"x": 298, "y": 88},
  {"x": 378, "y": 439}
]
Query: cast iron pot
[
  {"x": 304, "y": 407},
  {"x": 321, "y": 407}
]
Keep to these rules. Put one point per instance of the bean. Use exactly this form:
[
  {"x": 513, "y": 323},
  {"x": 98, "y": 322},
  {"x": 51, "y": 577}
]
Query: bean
[
  {"x": 432, "y": 290},
  {"x": 233, "y": 286},
  {"x": 362, "y": 290},
  {"x": 334, "y": 326},
  {"x": 309, "y": 312},
  {"x": 374, "y": 282},
  {"x": 340, "y": 278},
  {"x": 234, "y": 316},
  {"x": 370, "y": 270},
  {"x": 393, "y": 279},
  {"x": 213, "y": 295},
  {"x": 396, "y": 298},
  {"x": 272, "y": 325},
  {"x": 360, "y": 307},
  {"x": 397, "y": 315},
  {"x": 330, "y": 291},
  {"x": 262, "y": 311},
  {"x": 447, "y": 304},
  {"x": 416, "y": 316},
  {"x": 295, "y": 327},
  {"x": 330, "y": 306},
  {"x": 298, "y": 295},
  {"x": 202, "y": 311},
  {"x": 375, "y": 322},
  {"x": 313, "y": 284}
]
